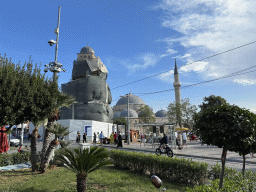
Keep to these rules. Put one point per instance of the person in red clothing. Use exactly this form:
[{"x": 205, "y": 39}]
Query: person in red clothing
[{"x": 115, "y": 138}]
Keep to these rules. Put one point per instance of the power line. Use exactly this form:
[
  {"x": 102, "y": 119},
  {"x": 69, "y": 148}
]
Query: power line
[
  {"x": 185, "y": 65},
  {"x": 244, "y": 71}
]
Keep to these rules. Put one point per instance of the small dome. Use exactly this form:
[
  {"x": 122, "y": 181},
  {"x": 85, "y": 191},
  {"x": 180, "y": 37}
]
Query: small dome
[
  {"x": 87, "y": 50},
  {"x": 133, "y": 99},
  {"x": 132, "y": 113},
  {"x": 161, "y": 113},
  {"x": 117, "y": 114}
]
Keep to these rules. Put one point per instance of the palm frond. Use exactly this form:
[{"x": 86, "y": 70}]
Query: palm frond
[
  {"x": 59, "y": 130},
  {"x": 85, "y": 160}
]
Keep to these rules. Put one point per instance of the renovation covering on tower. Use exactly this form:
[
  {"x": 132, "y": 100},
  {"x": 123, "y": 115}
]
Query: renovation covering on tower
[{"x": 90, "y": 89}]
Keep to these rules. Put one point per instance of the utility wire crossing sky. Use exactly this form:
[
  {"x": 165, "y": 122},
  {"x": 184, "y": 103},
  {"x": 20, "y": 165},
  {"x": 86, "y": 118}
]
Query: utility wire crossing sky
[{"x": 139, "y": 41}]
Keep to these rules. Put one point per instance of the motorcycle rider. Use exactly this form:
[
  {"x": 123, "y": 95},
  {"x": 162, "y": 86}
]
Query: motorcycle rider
[{"x": 163, "y": 141}]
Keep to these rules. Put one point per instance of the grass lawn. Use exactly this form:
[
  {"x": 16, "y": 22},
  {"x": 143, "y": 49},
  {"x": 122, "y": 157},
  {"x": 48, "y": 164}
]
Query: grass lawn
[{"x": 60, "y": 179}]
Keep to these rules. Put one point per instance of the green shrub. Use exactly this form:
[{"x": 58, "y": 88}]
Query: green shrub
[
  {"x": 173, "y": 169},
  {"x": 17, "y": 158},
  {"x": 233, "y": 181}
]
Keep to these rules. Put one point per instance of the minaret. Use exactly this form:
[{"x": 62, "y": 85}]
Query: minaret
[{"x": 177, "y": 85}]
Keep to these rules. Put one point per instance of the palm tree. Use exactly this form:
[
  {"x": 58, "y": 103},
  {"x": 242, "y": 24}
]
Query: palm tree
[
  {"x": 63, "y": 100},
  {"x": 58, "y": 130},
  {"x": 36, "y": 122},
  {"x": 83, "y": 162}
]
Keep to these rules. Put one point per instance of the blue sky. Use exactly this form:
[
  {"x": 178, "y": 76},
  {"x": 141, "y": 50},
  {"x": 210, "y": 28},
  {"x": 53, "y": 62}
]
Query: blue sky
[{"x": 140, "y": 39}]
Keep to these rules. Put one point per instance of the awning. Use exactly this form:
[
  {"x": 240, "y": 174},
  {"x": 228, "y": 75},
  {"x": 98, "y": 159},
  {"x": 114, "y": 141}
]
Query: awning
[{"x": 182, "y": 129}]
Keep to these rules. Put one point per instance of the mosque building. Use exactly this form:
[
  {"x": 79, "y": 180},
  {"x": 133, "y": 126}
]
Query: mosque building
[{"x": 135, "y": 103}]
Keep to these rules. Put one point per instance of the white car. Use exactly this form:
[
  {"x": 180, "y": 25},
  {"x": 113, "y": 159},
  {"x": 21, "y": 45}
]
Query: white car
[{"x": 14, "y": 141}]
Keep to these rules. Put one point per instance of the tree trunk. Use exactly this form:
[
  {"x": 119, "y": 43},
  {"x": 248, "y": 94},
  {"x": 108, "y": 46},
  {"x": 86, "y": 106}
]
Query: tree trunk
[
  {"x": 45, "y": 163},
  {"x": 223, "y": 161},
  {"x": 81, "y": 182},
  {"x": 33, "y": 149},
  {"x": 243, "y": 164},
  {"x": 47, "y": 140}
]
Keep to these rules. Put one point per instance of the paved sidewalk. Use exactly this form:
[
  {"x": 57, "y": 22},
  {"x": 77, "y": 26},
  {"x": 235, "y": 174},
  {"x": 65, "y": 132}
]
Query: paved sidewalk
[{"x": 194, "y": 150}]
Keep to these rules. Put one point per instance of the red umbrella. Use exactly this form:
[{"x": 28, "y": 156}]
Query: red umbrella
[{"x": 4, "y": 145}]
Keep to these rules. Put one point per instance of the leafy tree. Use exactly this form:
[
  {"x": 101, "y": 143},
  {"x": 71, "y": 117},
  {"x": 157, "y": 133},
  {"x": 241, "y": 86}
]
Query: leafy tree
[
  {"x": 222, "y": 125},
  {"x": 212, "y": 101},
  {"x": 245, "y": 140},
  {"x": 14, "y": 92},
  {"x": 25, "y": 95},
  {"x": 185, "y": 110},
  {"x": 84, "y": 162},
  {"x": 120, "y": 121},
  {"x": 146, "y": 114}
]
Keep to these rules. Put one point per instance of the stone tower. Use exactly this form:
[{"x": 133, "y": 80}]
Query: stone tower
[
  {"x": 90, "y": 89},
  {"x": 177, "y": 85}
]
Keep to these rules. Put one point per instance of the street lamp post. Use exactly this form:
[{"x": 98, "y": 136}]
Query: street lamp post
[
  {"x": 55, "y": 67},
  {"x": 128, "y": 126}
]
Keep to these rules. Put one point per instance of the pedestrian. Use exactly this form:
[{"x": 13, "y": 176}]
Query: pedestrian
[
  {"x": 120, "y": 143},
  {"x": 142, "y": 139},
  {"x": 84, "y": 138},
  {"x": 94, "y": 138},
  {"x": 178, "y": 141},
  {"x": 101, "y": 138},
  {"x": 112, "y": 138},
  {"x": 78, "y": 137},
  {"x": 29, "y": 136},
  {"x": 184, "y": 137},
  {"x": 115, "y": 138}
]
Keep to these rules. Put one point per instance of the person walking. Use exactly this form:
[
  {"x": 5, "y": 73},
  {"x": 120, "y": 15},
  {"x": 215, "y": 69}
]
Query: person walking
[
  {"x": 94, "y": 138},
  {"x": 101, "y": 138},
  {"x": 84, "y": 138},
  {"x": 115, "y": 138},
  {"x": 142, "y": 140},
  {"x": 112, "y": 138},
  {"x": 178, "y": 141},
  {"x": 78, "y": 137},
  {"x": 120, "y": 143},
  {"x": 184, "y": 137}
]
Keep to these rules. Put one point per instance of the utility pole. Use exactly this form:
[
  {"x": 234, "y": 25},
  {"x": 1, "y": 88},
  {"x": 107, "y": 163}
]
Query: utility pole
[{"x": 128, "y": 125}]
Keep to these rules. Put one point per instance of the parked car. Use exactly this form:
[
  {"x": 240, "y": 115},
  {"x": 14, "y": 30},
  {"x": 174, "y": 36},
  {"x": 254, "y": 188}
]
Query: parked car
[{"x": 14, "y": 141}]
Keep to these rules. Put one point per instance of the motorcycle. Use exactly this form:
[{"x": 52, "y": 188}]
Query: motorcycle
[{"x": 167, "y": 150}]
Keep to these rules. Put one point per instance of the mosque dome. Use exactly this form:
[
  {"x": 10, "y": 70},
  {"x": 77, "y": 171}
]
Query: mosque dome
[
  {"x": 133, "y": 99},
  {"x": 132, "y": 113},
  {"x": 87, "y": 49},
  {"x": 161, "y": 113}
]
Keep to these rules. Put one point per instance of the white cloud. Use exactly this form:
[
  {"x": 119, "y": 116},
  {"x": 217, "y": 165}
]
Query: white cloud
[
  {"x": 245, "y": 81},
  {"x": 197, "y": 67},
  {"x": 253, "y": 110},
  {"x": 167, "y": 77},
  {"x": 140, "y": 62},
  {"x": 211, "y": 27}
]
